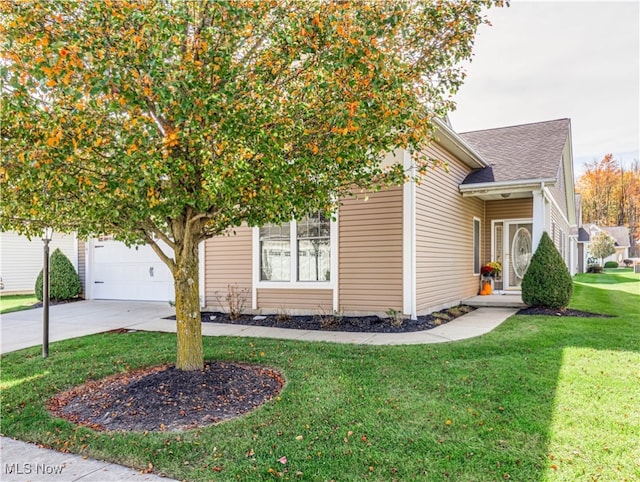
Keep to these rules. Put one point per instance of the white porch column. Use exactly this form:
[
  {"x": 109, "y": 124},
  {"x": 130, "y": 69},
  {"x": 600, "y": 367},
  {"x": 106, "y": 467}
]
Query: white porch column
[
  {"x": 409, "y": 239},
  {"x": 573, "y": 255},
  {"x": 540, "y": 217}
]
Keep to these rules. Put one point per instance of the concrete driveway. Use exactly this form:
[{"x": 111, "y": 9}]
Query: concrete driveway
[{"x": 23, "y": 329}]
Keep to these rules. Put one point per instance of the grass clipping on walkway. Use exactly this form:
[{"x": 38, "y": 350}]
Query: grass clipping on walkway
[{"x": 540, "y": 398}]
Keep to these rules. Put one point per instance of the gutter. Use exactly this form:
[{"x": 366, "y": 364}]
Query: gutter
[
  {"x": 469, "y": 155},
  {"x": 504, "y": 185}
]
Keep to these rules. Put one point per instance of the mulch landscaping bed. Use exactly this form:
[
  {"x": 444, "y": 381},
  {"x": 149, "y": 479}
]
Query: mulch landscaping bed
[
  {"x": 57, "y": 302},
  {"x": 532, "y": 310},
  {"x": 329, "y": 322},
  {"x": 163, "y": 398}
]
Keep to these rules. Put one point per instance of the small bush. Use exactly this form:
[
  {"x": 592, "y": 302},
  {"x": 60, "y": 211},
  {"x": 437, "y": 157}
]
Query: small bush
[
  {"x": 328, "y": 321},
  {"x": 594, "y": 268},
  {"x": 64, "y": 282},
  {"x": 234, "y": 301},
  {"x": 283, "y": 315},
  {"x": 611, "y": 264},
  {"x": 395, "y": 317},
  {"x": 547, "y": 282},
  {"x": 628, "y": 262}
]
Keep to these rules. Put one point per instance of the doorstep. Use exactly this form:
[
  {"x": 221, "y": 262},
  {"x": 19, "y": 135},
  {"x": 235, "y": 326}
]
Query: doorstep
[{"x": 510, "y": 300}]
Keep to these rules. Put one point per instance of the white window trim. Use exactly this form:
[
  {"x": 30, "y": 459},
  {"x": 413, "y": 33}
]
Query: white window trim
[
  {"x": 293, "y": 283},
  {"x": 473, "y": 227}
]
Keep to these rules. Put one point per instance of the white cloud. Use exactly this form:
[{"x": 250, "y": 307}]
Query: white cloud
[{"x": 549, "y": 60}]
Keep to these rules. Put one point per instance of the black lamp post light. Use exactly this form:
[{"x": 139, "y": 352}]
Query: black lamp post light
[{"x": 46, "y": 238}]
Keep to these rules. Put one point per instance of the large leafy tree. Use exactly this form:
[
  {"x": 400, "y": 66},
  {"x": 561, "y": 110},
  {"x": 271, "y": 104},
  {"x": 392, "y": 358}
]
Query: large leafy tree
[
  {"x": 602, "y": 245},
  {"x": 175, "y": 121}
]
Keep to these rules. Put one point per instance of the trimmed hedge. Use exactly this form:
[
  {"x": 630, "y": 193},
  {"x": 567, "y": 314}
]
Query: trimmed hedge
[
  {"x": 64, "y": 281},
  {"x": 611, "y": 264},
  {"x": 547, "y": 282},
  {"x": 594, "y": 268}
]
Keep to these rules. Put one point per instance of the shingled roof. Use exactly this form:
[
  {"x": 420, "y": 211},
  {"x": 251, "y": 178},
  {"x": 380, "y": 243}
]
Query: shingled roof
[{"x": 523, "y": 152}]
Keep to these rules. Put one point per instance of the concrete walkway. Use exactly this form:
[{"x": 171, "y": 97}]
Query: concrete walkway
[{"x": 21, "y": 462}]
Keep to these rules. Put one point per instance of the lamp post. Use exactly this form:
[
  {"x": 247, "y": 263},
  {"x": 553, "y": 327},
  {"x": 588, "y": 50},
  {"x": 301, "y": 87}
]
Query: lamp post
[{"x": 46, "y": 237}]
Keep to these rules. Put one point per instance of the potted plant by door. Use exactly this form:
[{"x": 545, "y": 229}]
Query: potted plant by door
[{"x": 489, "y": 272}]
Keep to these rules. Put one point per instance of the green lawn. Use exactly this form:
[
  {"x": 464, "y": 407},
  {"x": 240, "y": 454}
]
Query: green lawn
[
  {"x": 538, "y": 399},
  {"x": 9, "y": 303}
]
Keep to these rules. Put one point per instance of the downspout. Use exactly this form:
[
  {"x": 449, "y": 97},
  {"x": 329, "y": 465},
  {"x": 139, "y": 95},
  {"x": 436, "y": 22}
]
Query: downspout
[{"x": 409, "y": 241}]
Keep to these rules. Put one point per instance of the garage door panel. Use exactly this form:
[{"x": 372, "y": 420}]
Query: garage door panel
[{"x": 122, "y": 273}]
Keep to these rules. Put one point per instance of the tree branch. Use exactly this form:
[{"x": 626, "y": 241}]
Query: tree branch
[{"x": 161, "y": 254}]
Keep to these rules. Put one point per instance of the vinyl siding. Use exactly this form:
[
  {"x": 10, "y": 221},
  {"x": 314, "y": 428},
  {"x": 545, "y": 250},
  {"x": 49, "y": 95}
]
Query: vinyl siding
[
  {"x": 228, "y": 261},
  {"x": 561, "y": 230},
  {"x": 370, "y": 252},
  {"x": 559, "y": 191},
  {"x": 295, "y": 299},
  {"x": 21, "y": 259},
  {"x": 444, "y": 236}
]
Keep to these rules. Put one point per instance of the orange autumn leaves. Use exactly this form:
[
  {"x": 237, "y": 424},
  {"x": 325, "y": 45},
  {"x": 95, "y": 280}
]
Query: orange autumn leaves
[{"x": 184, "y": 119}]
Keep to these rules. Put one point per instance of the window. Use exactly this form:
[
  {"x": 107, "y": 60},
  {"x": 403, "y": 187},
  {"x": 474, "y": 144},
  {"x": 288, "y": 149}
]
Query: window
[
  {"x": 275, "y": 252},
  {"x": 476, "y": 246},
  {"x": 314, "y": 248},
  {"x": 310, "y": 259}
]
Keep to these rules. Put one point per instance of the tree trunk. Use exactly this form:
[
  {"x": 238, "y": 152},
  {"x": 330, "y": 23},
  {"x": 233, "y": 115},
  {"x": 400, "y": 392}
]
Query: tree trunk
[{"x": 189, "y": 329}]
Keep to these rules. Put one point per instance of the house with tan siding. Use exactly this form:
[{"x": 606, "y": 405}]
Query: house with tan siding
[{"x": 414, "y": 248}]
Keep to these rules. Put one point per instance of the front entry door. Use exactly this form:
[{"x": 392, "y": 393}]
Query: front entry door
[{"x": 518, "y": 244}]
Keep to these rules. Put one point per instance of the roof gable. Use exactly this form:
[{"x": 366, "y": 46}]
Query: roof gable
[{"x": 524, "y": 152}]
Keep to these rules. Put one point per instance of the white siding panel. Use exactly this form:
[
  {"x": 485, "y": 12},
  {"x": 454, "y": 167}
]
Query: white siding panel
[{"x": 21, "y": 259}]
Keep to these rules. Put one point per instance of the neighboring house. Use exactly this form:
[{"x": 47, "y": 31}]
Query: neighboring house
[
  {"x": 620, "y": 235},
  {"x": 22, "y": 259},
  {"x": 414, "y": 248}
]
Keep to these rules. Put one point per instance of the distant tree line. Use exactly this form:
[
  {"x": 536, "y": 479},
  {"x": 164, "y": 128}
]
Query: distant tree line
[{"x": 611, "y": 197}]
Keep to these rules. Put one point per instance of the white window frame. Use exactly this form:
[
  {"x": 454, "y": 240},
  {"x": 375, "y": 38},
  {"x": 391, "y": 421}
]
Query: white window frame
[
  {"x": 293, "y": 282},
  {"x": 476, "y": 251}
]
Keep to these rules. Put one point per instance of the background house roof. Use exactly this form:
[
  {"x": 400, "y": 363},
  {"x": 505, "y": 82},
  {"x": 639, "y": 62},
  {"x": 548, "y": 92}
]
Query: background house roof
[
  {"x": 583, "y": 235},
  {"x": 619, "y": 233},
  {"x": 523, "y": 152}
]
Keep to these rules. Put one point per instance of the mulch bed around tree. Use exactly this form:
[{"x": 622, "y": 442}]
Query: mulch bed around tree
[
  {"x": 331, "y": 322},
  {"x": 536, "y": 310},
  {"x": 164, "y": 398}
]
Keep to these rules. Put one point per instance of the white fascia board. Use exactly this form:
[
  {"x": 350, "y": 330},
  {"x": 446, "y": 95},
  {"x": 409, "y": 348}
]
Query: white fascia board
[
  {"x": 569, "y": 180},
  {"x": 458, "y": 146},
  {"x": 504, "y": 186}
]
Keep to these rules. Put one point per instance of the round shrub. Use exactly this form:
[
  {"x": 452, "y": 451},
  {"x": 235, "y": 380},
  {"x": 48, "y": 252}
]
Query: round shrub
[
  {"x": 628, "y": 262},
  {"x": 547, "y": 282},
  {"x": 64, "y": 281},
  {"x": 611, "y": 264}
]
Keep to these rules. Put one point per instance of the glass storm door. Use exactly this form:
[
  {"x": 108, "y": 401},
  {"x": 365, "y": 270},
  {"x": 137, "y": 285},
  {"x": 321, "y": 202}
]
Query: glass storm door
[{"x": 518, "y": 245}]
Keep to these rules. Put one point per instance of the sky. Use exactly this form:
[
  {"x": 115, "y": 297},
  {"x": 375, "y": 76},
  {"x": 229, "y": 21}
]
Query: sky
[{"x": 545, "y": 60}]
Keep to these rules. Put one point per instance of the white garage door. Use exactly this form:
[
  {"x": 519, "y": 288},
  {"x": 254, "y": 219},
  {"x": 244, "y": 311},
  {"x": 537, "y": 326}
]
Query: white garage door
[{"x": 122, "y": 273}]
